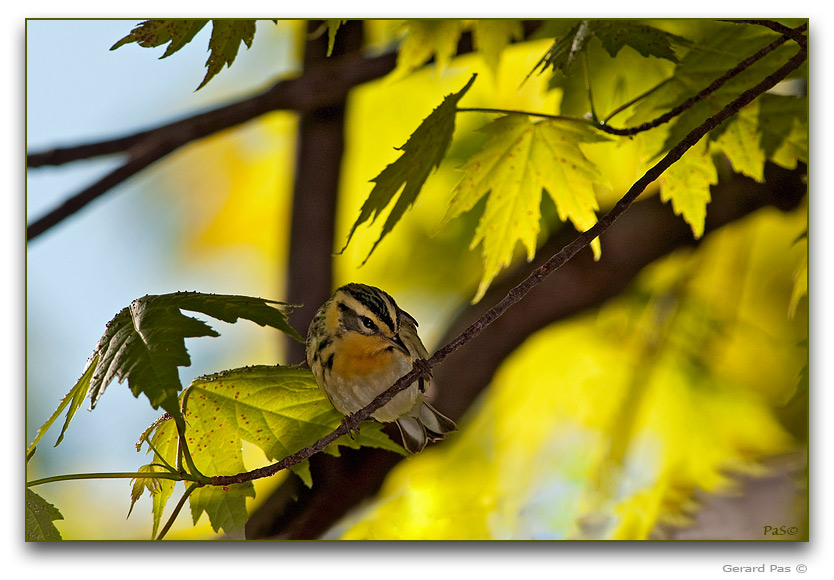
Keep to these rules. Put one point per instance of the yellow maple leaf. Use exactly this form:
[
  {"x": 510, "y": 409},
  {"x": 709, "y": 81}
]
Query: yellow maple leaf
[
  {"x": 427, "y": 38},
  {"x": 741, "y": 143},
  {"x": 491, "y": 36},
  {"x": 520, "y": 158},
  {"x": 687, "y": 184}
]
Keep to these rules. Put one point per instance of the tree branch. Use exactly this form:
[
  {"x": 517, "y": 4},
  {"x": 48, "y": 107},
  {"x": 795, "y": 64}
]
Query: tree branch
[
  {"x": 516, "y": 294},
  {"x": 319, "y": 88},
  {"x": 787, "y": 34}
]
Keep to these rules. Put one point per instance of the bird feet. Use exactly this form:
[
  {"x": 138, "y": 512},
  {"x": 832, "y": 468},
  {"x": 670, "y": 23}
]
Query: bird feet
[{"x": 352, "y": 425}]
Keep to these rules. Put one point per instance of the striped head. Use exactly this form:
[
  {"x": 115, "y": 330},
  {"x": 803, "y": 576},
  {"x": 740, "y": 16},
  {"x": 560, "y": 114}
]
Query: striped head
[
  {"x": 358, "y": 341},
  {"x": 359, "y": 310}
]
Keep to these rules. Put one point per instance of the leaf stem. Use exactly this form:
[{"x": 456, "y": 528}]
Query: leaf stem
[
  {"x": 790, "y": 34},
  {"x": 184, "y": 452},
  {"x": 158, "y": 455},
  {"x": 636, "y": 99},
  {"x": 529, "y": 113},
  {"x": 177, "y": 510},
  {"x": 116, "y": 475},
  {"x": 588, "y": 88}
]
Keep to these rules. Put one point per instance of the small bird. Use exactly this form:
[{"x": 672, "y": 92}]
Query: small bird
[{"x": 358, "y": 344}]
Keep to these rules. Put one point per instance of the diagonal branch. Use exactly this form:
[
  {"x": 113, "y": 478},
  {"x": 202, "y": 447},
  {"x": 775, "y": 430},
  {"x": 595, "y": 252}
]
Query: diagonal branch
[
  {"x": 644, "y": 234},
  {"x": 422, "y": 368},
  {"x": 787, "y": 34},
  {"x": 326, "y": 85},
  {"x": 321, "y": 87}
]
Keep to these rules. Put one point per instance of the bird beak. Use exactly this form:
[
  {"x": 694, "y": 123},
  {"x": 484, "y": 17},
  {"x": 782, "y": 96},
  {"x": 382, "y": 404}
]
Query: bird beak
[{"x": 397, "y": 341}]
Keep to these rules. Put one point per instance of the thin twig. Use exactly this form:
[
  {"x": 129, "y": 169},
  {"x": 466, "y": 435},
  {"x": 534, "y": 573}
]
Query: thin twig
[
  {"x": 422, "y": 368},
  {"x": 177, "y": 510},
  {"x": 315, "y": 89},
  {"x": 528, "y": 113},
  {"x": 321, "y": 87},
  {"x": 792, "y": 34},
  {"x": 112, "y": 475}
]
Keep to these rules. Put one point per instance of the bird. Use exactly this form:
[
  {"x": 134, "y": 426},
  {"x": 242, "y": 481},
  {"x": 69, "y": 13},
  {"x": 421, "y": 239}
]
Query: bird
[{"x": 358, "y": 344}]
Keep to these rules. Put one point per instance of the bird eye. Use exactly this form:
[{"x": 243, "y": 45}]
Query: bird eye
[{"x": 368, "y": 323}]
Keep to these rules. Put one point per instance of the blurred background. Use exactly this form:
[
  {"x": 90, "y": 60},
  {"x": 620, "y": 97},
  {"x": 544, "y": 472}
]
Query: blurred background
[{"x": 634, "y": 419}]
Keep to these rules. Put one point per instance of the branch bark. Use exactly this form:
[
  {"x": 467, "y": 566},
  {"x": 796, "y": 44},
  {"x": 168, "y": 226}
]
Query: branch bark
[
  {"x": 320, "y": 144},
  {"x": 324, "y": 86}
]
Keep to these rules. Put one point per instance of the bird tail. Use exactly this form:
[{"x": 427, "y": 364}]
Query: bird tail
[{"x": 427, "y": 424}]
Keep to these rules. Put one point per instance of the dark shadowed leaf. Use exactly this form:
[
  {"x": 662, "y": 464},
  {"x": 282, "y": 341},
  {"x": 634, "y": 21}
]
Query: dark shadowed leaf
[
  {"x": 39, "y": 517},
  {"x": 145, "y": 344},
  {"x": 226, "y": 37},
  {"x": 153, "y": 33},
  {"x": 423, "y": 152}
]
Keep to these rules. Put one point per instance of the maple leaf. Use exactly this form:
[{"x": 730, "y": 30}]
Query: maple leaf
[
  {"x": 614, "y": 35},
  {"x": 164, "y": 440},
  {"x": 39, "y": 517},
  {"x": 280, "y": 409},
  {"x": 686, "y": 183},
  {"x": 423, "y": 151},
  {"x": 740, "y": 143},
  {"x": 491, "y": 36},
  {"x": 153, "y": 33},
  {"x": 145, "y": 344},
  {"x": 645, "y": 39},
  {"x": 783, "y": 124},
  {"x": 438, "y": 39},
  {"x": 226, "y": 36},
  {"x": 159, "y": 489},
  {"x": 724, "y": 48},
  {"x": 519, "y": 159},
  {"x": 426, "y": 39}
]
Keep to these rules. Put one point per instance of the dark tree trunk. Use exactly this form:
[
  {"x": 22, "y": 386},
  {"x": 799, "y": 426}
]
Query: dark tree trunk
[{"x": 321, "y": 136}]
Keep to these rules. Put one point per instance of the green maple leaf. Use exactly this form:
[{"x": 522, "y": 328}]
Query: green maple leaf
[
  {"x": 794, "y": 147},
  {"x": 614, "y": 35},
  {"x": 565, "y": 49},
  {"x": 423, "y": 152},
  {"x": 783, "y": 124},
  {"x": 519, "y": 159},
  {"x": 153, "y": 33},
  {"x": 164, "y": 440},
  {"x": 144, "y": 343},
  {"x": 39, "y": 517},
  {"x": 226, "y": 37},
  {"x": 647, "y": 40},
  {"x": 333, "y": 25},
  {"x": 757, "y": 133},
  {"x": 279, "y": 409},
  {"x": 687, "y": 184},
  {"x": 709, "y": 59},
  {"x": 73, "y": 400}
]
